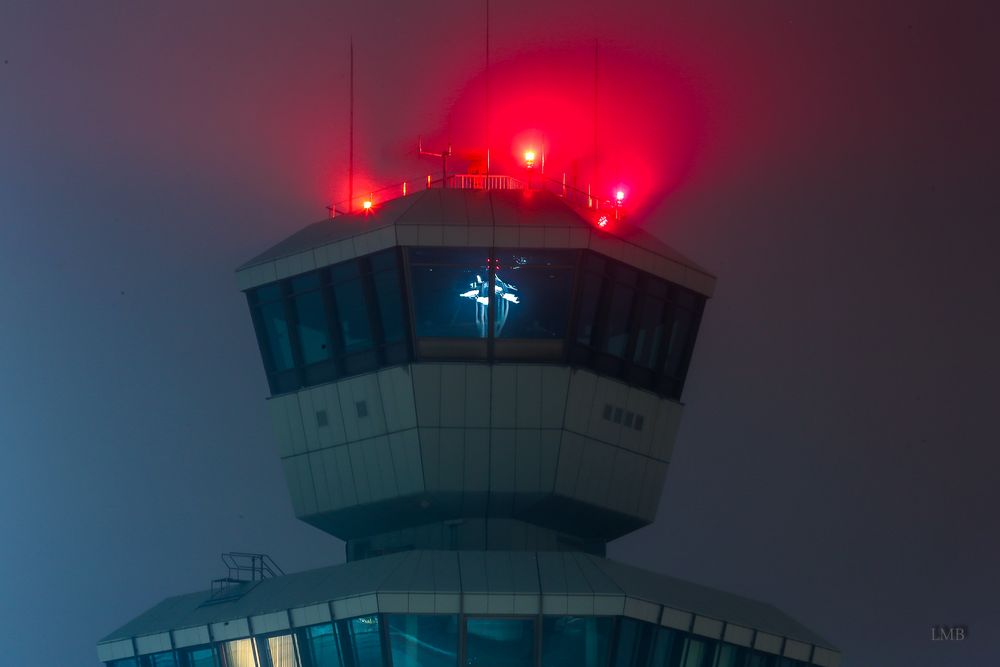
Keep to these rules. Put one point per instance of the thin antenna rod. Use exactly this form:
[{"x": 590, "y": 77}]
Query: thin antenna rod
[
  {"x": 350, "y": 157},
  {"x": 487, "y": 94},
  {"x": 596, "y": 156}
]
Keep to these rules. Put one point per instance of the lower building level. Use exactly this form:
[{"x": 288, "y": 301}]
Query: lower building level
[{"x": 475, "y": 609}]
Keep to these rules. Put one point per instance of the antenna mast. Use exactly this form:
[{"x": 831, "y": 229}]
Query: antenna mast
[
  {"x": 350, "y": 156},
  {"x": 596, "y": 156},
  {"x": 487, "y": 94}
]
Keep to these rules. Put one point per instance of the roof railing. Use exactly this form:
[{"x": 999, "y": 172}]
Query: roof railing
[{"x": 245, "y": 570}]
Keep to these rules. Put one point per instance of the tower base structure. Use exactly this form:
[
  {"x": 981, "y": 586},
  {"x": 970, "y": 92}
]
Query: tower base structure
[{"x": 451, "y": 608}]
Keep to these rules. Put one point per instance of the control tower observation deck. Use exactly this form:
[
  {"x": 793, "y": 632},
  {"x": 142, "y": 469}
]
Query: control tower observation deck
[{"x": 476, "y": 389}]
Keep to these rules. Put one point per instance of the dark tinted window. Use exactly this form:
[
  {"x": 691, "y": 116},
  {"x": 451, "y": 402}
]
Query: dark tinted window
[
  {"x": 499, "y": 642},
  {"x": 450, "y": 292},
  {"x": 423, "y": 640},
  {"x": 533, "y": 292},
  {"x": 575, "y": 641}
]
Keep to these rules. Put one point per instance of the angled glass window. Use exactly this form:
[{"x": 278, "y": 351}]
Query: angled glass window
[
  {"x": 634, "y": 645},
  {"x": 423, "y": 640},
  {"x": 361, "y": 641},
  {"x": 533, "y": 292},
  {"x": 319, "y": 646},
  {"x": 352, "y": 309},
  {"x": 678, "y": 342},
  {"x": 649, "y": 332},
  {"x": 164, "y": 659},
  {"x": 668, "y": 647},
  {"x": 589, "y": 299},
  {"x": 239, "y": 653},
  {"x": 312, "y": 326},
  {"x": 450, "y": 292},
  {"x": 617, "y": 326},
  {"x": 124, "y": 662},
  {"x": 281, "y": 650},
  {"x": 276, "y": 344},
  {"x": 499, "y": 642},
  {"x": 389, "y": 291},
  {"x": 204, "y": 656},
  {"x": 575, "y": 641},
  {"x": 698, "y": 653}
]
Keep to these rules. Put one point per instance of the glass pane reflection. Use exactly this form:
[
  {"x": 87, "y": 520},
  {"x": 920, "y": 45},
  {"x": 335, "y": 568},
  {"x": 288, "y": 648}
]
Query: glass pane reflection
[
  {"x": 424, "y": 640},
  {"x": 499, "y": 642},
  {"x": 575, "y": 641},
  {"x": 239, "y": 653},
  {"x": 282, "y": 650}
]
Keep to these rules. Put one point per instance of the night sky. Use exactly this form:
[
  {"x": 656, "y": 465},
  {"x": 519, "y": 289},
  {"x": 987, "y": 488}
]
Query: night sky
[{"x": 835, "y": 164}]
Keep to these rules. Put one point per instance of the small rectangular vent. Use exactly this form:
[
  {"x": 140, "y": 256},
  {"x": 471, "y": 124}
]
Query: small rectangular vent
[
  {"x": 619, "y": 415},
  {"x": 362, "y": 407},
  {"x": 321, "y": 419}
]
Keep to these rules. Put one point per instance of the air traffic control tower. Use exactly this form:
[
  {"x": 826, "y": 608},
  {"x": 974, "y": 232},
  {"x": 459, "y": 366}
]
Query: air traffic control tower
[{"x": 476, "y": 389}]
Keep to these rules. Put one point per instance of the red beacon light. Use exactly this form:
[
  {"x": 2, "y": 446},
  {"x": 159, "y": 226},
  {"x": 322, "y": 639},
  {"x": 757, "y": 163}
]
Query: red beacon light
[
  {"x": 620, "y": 197},
  {"x": 529, "y": 159},
  {"x": 602, "y": 221},
  {"x": 367, "y": 204}
]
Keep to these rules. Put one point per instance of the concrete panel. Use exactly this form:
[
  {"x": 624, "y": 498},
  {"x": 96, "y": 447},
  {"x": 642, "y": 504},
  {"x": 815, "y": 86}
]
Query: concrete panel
[
  {"x": 642, "y": 610},
  {"x": 570, "y": 460},
  {"x": 665, "y": 425},
  {"x": 447, "y": 603},
  {"x": 386, "y": 467},
  {"x": 825, "y": 657},
  {"x": 327, "y": 398},
  {"x": 593, "y": 485},
  {"x": 500, "y": 603},
  {"x": 478, "y": 379},
  {"x": 310, "y": 615},
  {"x": 580, "y": 401},
  {"x": 504, "y": 397},
  {"x": 394, "y": 603},
  {"x": 451, "y": 464},
  {"x": 234, "y": 629},
  {"x": 430, "y": 235},
  {"x": 557, "y": 605},
  {"x": 737, "y": 634},
  {"x": 529, "y": 396},
  {"x": 626, "y": 474},
  {"x": 527, "y": 604},
  {"x": 644, "y": 404},
  {"x": 674, "y": 618},
  {"x": 502, "y": 453},
  {"x": 430, "y": 457},
  {"x": 532, "y": 237},
  {"x": 555, "y": 388},
  {"x": 548, "y": 458},
  {"x": 707, "y": 627},
  {"x": 191, "y": 636},
  {"x": 397, "y": 393},
  {"x": 797, "y": 650},
  {"x": 427, "y": 393},
  {"x": 455, "y": 235},
  {"x": 273, "y": 622},
  {"x": 767, "y": 643},
  {"x": 580, "y": 605},
  {"x": 115, "y": 650},
  {"x": 405, "y": 451},
  {"x": 527, "y": 461},
  {"x": 557, "y": 237},
  {"x": 609, "y": 605},
  {"x": 345, "y": 475},
  {"x": 153, "y": 643},
  {"x": 453, "y": 395},
  {"x": 324, "y": 490},
  {"x": 606, "y": 392},
  {"x": 421, "y": 603},
  {"x": 477, "y": 460},
  {"x": 362, "y": 483}
]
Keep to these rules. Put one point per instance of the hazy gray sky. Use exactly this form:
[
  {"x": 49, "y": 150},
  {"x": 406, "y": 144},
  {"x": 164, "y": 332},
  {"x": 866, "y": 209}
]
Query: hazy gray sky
[{"x": 835, "y": 164}]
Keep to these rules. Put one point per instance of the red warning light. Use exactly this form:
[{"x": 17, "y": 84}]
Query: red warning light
[
  {"x": 602, "y": 221},
  {"x": 367, "y": 204},
  {"x": 620, "y": 197},
  {"x": 529, "y": 159}
]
